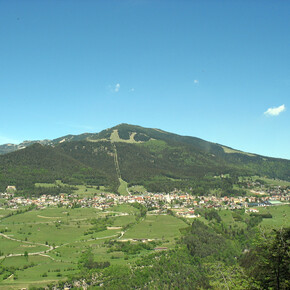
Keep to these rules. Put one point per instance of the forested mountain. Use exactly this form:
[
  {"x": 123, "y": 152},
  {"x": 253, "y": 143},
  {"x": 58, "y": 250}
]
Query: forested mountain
[{"x": 159, "y": 160}]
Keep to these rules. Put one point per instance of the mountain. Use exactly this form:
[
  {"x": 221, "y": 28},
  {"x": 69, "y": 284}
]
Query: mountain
[{"x": 158, "y": 160}]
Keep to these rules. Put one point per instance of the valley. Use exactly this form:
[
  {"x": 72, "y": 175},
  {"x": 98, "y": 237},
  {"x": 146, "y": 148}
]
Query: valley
[
  {"x": 92, "y": 209},
  {"x": 46, "y": 236}
]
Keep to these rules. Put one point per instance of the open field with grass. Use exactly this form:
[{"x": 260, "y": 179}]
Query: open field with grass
[
  {"x": 234, "y": 219},
  {"x": 123, "y": 188},
  {"x": 123, "y": 209},
  {"x": 34, "y": 270},
  {"x": 61, "y": 235},
  {"x": 9, "y": 247},
  {"x": 280, "y": 216},
  {"x": 156, "y": 227},
  {"x": 269, "y": 181},
  {"x": 56, "y": 237},
  {"x": 137, "y": 188},
  {"x": 82, "y": 190}
]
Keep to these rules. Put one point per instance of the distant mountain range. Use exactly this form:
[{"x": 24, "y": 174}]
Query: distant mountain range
[{"x": 156, "y": 159}]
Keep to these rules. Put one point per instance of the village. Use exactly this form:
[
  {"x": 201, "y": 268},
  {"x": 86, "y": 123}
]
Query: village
[{"x": 183, "y": 204}]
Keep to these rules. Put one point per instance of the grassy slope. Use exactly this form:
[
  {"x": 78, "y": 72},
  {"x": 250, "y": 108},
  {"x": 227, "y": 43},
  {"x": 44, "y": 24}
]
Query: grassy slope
[
  {"x": 281, "y": 216},
  {"x": 71, "y": 239},
  {"x": 156, "y": 227}
]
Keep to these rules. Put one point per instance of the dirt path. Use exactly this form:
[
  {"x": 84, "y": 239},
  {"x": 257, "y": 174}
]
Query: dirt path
[
  {"x": 50, "y": 248},
  {"x": 49, "y": 217}
]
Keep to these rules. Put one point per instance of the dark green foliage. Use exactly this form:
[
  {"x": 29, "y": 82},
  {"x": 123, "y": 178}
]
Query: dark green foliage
[
  {"x": 268, "y": 263},
  {"x": 263, "y": 215},
  {"x": 124, "y": 133},
  {"x": 53, "y": 190},
  {"x": 212, "y": 214},
  {"x": 87, "y": 262},
  {"x": 254, "y": 221},
  {"x": 99, "y": 224},
  {"x": 141, "y": 207},
  {"x": 99, "y": 157},
  {"x": 131, "y": 248},
  {"x": 141, "y": 137},
  {"x": 71, "y": 163},
  {"x": 167, "y": 270},
  {"x": 204, "y": 242},
  {"x": 237, "y": 216}
]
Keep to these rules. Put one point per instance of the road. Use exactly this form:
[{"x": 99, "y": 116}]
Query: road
[{"x": 42, "y": 253}]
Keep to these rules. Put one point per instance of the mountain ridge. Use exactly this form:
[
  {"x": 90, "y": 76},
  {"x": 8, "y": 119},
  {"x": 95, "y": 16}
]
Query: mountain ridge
[
  {"x": 104, "y": 134},
  {"x": 155, "y": 159}
]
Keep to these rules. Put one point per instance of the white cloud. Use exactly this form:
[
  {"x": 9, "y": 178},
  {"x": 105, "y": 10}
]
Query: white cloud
[
  {"x": 132, "y": 90},
  {"x": 196, "y": 82},
  {"x": 117, "y": 88},
  {"x": 275, "y": 111}
]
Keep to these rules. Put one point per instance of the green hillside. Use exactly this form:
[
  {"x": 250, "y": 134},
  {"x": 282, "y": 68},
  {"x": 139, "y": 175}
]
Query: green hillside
[
  {"x": 158, "y": 160},
  {"x": 46, "y": 164}
]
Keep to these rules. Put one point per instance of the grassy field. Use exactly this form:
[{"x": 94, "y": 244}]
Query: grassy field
[
  {"x": 123, "y": 188},
  {"x": 156, "y": 227},
  {"x": 63, "y": 234},
  {"x": 280, "y": 216},
  {"x": 82, "y": 190},
  {"x": 155, "y": 145},
  {"x": 230, "y": 218},
  {"x": 116, "y": 138},
  {"x": 269, "y": 181},
  {"x": 137, "y": 188},
  {"x": 124, "y": 208},
  {"x": 230, "y": 150},
  {"x": 15, "y": 247},
  {"x": 36, "y": 270}
]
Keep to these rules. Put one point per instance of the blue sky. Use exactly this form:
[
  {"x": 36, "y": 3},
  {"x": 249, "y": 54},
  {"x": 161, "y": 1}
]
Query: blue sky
[{"x": 217, "y": 70}]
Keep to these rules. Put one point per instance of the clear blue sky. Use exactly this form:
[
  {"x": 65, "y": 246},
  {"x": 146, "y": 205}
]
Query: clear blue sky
[{"x": 209, "y": 69}]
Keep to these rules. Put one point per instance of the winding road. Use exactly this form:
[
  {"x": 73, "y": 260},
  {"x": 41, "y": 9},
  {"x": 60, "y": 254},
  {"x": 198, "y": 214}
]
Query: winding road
[{"x": 42, "y": 253}]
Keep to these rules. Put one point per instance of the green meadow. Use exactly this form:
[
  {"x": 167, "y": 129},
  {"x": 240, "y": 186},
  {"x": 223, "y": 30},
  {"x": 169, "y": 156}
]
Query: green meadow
[
  {"x": 156, "y": 227},
  {"x": 280, "y": 216},
  {"x": 45, "y": 245},
  {"x": 81, "y": 190},
  {"x": 123, "y": 188},
  {"x": 41, "y": 246}
]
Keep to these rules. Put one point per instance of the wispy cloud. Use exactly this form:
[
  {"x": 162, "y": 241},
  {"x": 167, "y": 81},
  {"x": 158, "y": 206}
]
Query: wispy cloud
[
  {"x": 132, "y": 90},
  {"x": 196, "y": 82},
  {"x": 117, "y": 88},
  {"x": 275, "y": 111}
]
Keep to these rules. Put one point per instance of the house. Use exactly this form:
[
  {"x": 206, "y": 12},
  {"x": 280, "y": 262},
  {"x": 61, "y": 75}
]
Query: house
[{"x": 253, "y": 210}]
